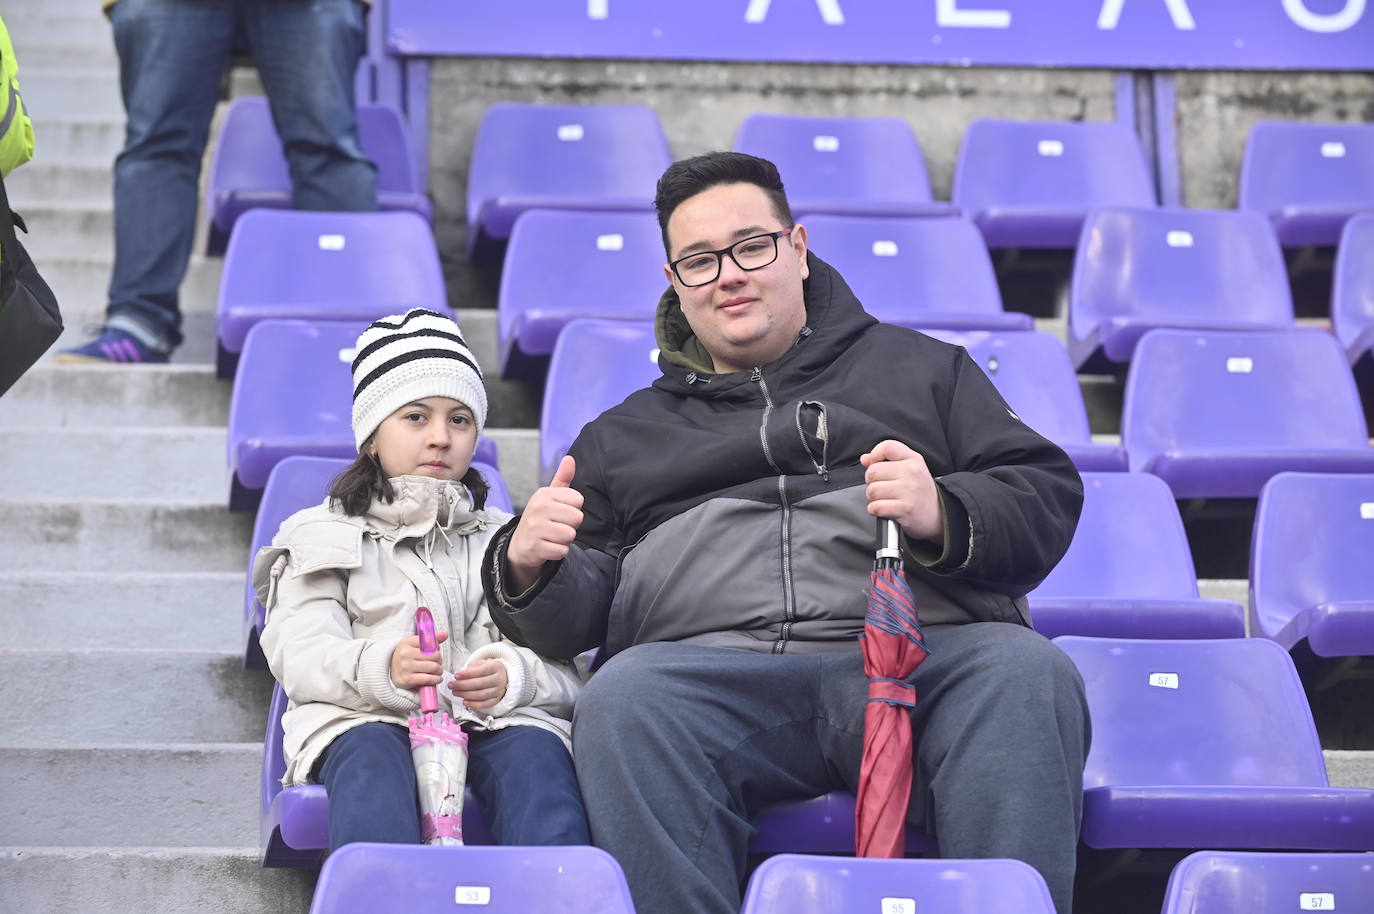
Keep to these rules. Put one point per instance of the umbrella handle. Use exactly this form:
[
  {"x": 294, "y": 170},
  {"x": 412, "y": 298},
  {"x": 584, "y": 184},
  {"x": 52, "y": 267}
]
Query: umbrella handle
[
  {"x": 889, "y": 539},
  {"x": 429, "y": 644}
]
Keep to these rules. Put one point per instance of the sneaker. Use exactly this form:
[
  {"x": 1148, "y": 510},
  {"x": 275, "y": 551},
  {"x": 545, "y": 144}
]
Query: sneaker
[{"x": 112, "y": 345}]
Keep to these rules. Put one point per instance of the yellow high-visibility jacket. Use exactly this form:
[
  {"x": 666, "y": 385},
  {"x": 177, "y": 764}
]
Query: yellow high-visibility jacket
[{"x": 16, "y": 130}]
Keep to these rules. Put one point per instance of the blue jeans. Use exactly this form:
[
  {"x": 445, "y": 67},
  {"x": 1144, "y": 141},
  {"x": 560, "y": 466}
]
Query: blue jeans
[
  {"x": 172, "y": 55},
  {"x": 523, "y": 776}
]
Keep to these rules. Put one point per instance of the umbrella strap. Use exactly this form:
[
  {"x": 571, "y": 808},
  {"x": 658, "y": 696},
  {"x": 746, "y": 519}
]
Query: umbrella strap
[{"x": 892, "y": 692}]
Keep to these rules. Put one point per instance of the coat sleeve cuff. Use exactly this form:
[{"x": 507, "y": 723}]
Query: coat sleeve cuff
[
  {"x": 374, "y": 677},
  {"x": 520, "y": 684},
  {"x": 956, "y": 549}
]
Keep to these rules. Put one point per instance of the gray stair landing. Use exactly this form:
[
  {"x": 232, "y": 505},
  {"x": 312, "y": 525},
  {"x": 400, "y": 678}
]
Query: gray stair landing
[{"x": 182, "y": 463}]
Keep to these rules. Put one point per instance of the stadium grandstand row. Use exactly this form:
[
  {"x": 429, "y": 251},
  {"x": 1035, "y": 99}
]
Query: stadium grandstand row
[{"x": 1149, "y": 222}]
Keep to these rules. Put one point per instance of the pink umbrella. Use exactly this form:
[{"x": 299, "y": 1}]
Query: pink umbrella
[
  {"x": 439, "y": 748},
  {"x": 892, "y": 647}
]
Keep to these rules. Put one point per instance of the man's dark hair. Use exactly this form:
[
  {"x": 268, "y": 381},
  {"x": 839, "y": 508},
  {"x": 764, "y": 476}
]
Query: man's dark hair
[
  {"x": 689, "y": 177},
  {"x": 363, "y": 480}
]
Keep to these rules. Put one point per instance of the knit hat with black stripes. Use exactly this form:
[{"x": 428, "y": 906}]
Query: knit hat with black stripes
[{"x": 407, "y": 357}]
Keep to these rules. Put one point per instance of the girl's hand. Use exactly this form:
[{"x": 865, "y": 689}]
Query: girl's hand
[
  {"x": 480, "y": 684},
  {"x": 411, "y": 669}
]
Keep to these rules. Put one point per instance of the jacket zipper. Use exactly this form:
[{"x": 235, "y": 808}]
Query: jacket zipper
[
  {"x": 822, "y": 466},
  {"x": 788, "y": 599}
]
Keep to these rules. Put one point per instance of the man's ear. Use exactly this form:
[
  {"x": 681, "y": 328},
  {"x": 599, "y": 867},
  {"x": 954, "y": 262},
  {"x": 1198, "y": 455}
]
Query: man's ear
[
  {"x": 798, "y": 240},
  {"x": 668, "y": 273}
]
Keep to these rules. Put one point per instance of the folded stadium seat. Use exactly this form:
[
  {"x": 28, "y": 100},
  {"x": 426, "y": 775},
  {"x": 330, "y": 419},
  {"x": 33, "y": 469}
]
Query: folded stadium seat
[
  {"x": 1205, "y": 744},
  {"x": 1029, "y": 184},
  {"x": 1138, "y": 269},
  {"x": 1128, "y": 572},
  {"x": 301, "y": 482},
  {"x": 1237, "y": 882},
  {"x": 923, "y": 273},
  {"x": 857, "y": 166},
  {"x": 560, "y": 157},
  {"x": 374, "y": 878},
  {"x": 1216, "y": 413},
  {"x": 294, "y": 821},
  {"x": 1308, "y": 179},
  {"x": 325, "y": 267},
  {"x": 796, "y": 884},
  {"x": 1031, "y": 371},
  {"x": 561, "y": 265},
  {"x": 248, "y": 168},
  {"x": 1311, "y": 574},
  {"x": 1352, "y": 293},
  {"x": 293, "y": 394},
  {"x": 596, "y": 364}
]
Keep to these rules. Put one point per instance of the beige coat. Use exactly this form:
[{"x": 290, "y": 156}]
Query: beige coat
[{"x": 342, "y": 591}]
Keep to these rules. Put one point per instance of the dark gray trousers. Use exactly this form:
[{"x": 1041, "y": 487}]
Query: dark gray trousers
[{"x": 678, "y": 746}]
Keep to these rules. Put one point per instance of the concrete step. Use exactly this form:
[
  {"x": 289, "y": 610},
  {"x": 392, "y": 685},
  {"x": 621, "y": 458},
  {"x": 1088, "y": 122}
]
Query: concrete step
[
  {"x": 69, "y": 228},
  {"x": 42, "y": 181},
  {"x": 116, "y": 395},
  {"x": 1350, "y": 767},
  {"x": 130, "y": 695},
  {"x": 81, "y": 283},
  {"x": 64, "y": 92},
  {"x": 183, "y": 463},
  {"x": 149, "y": 795},
  {"x": 114, "y": 535},
  {"x": 148, "y": 880},
  {"x": 73, "y": 138},
  {"x": 96, "y": 609}
]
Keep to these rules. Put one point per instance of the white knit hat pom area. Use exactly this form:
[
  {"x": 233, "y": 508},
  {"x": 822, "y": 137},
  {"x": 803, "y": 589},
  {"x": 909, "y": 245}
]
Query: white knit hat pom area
[{"x": 402, "y": 358}]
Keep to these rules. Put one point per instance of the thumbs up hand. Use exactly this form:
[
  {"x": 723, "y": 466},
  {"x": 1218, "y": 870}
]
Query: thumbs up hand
[{"x": 547, "y": 528}]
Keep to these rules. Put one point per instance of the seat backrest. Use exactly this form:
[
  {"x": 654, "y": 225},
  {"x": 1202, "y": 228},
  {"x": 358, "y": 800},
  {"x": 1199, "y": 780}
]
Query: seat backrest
[
  {"x": 1208, "y": 712},
  {"x": 595, "y": 365},
  {"x": 1316, "y": 165},
  {"x": 901, "y": 268},
  {"x": 1178, "y": 265},
  {"x": 1352, "y": 281},
  {"x": 273, "y": 758},
  {"x": 285, "y": 257},
  {"x": 1060, "y": 165},
  {"x": 1313, "y": 544},
  {"x": 574, "y": 150},
  {"x": 803, "y": 884},
  {"x": 1032, "y": 372},
  {"x": 365, "y": 878},
  {"x": 1282, "y": 389},
  {"x": 1235, "y": 882},
  {"x": 859, "y": 159},
  {"x": 1129, "y": 544}
]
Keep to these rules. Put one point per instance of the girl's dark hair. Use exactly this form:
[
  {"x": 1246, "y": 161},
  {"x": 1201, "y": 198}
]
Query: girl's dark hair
[
  {"x": 354, "y": 488},
  {"x": 689, "y": 177}
]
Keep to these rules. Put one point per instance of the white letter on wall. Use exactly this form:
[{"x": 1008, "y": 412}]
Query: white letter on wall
[
  {"x": 831, "y": 14},
  {"x": 1178, "y": 11},
  {"x": 1332, "y": 22},
  {"x": 948, "y": 14}
]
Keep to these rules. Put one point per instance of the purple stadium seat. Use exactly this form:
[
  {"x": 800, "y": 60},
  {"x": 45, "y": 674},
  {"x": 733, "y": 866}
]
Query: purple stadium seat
[
  {"x": 820, "y": 825},
  {"x": 1352, "y": 291},
  {"x": 857, "y": 166},
  {"x": 295, "y": 820},
  {"x": 795, "y": 884},
  {"x": 595, "y": 365},
  {"x": 296, "y": 265},
  {"x": 1215, "y": 414},
  {"x": 1031, "y": 371},
  {"x": 924, "y": 273},
  {"x": 411, "y": 879},
  {"x": 561, "y": 157},
  {"x": 1308, "y": 179},
  {"x": 1236, "y": 882},
  {"x": 1128, "y": 572},
  {"x": 1204, "y": 744},
  {"x": 249, "y": 169},
  {"x": 293, "y": 395},
  {"x": 1138, "y": 269},
  {"x": 1029, "y": 184},
  {"x": 561, "y": 265},
  {"x": 1311, "y": 573},
  {"x": 300, "y": 482}
]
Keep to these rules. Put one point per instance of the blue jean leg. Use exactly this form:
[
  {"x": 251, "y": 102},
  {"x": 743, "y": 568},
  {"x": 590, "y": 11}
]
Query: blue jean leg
[
  {"x": 307, "y": 53},
  {"x": 370, "y": 778},
  {"x": 524, "y": 777},
  {"x": 171, "y": 56}
]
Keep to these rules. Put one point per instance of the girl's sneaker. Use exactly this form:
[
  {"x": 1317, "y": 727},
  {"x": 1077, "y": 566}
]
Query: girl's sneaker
[{"x": 112, "y": 345}]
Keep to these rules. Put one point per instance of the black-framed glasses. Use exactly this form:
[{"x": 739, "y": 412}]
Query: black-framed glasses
[{"x": 752, "y": 253}]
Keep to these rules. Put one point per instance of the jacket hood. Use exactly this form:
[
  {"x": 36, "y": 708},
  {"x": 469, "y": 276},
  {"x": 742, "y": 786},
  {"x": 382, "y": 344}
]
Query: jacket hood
[{"x": 834, "y": 317}]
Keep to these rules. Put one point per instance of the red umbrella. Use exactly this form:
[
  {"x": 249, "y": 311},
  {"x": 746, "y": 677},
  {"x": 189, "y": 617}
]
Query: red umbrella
[{"x": 892, "y": 647}]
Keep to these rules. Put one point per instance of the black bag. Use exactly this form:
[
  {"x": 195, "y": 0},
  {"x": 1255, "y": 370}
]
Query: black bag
[{"x": 29, "y": 319}]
